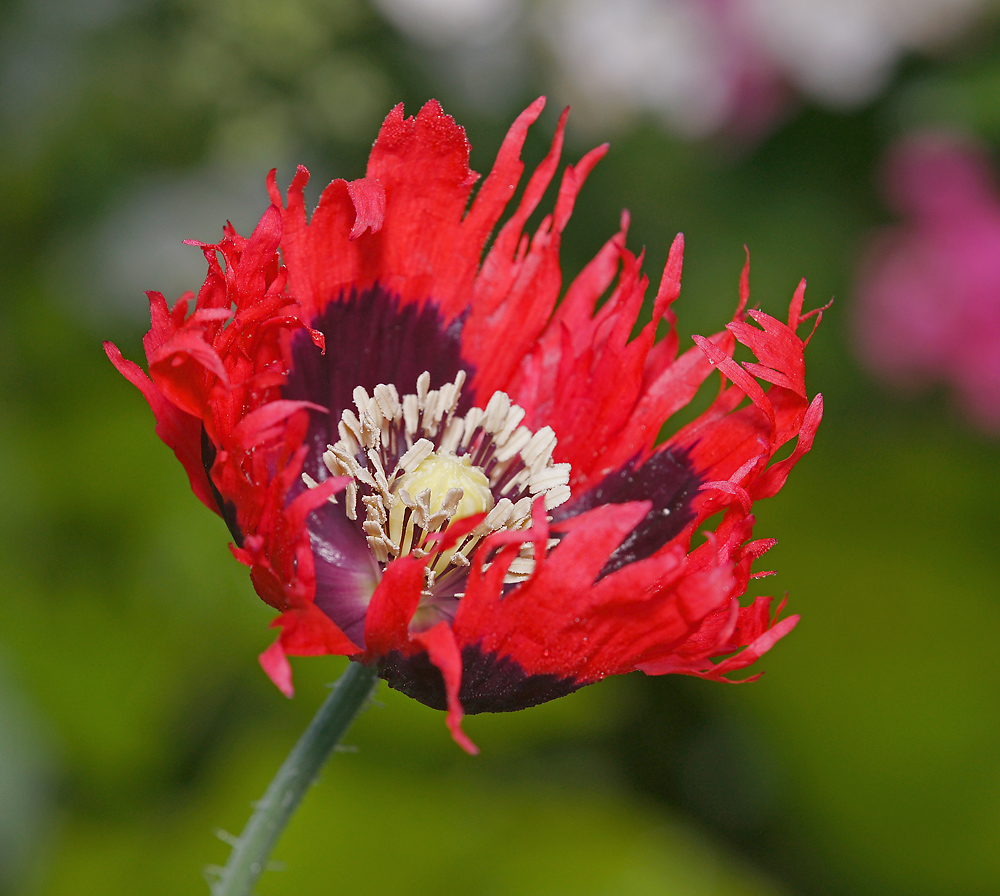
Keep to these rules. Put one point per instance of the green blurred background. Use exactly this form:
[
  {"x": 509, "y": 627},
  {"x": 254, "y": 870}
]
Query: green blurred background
[{"x": 135, "y": 722}]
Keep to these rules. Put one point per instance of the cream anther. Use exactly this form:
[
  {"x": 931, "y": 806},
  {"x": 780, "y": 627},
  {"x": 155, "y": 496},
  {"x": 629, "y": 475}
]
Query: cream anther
[{"x": 415, "y": 466}]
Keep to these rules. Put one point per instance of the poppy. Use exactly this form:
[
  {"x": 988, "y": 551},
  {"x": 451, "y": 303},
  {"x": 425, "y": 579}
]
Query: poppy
[{"x": 433, "y": 465}]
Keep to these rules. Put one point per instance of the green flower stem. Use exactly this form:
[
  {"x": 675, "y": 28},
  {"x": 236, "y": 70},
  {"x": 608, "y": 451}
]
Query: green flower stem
[{"x": 253, "y": 847}]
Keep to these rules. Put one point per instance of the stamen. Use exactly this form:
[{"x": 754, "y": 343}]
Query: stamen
[
  {"x": 417, "y": 468},
  {"x": 416, "y": 455}
]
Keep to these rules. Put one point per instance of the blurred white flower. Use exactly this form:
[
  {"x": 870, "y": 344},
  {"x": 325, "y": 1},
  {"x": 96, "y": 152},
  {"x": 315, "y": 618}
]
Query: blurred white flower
[
  {"x": 442, "y": 22},
  {"x": 701, "y": 66},
  {"x": 843, "y": 51},
  {"x": 476, "y": 49},
  {"x": 689, "y": 62},
  {"x": 654, "y": 53}
]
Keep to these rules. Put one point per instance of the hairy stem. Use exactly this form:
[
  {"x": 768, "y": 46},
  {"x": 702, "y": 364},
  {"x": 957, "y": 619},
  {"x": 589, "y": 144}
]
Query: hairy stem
[{"x": 253, "y": 847}]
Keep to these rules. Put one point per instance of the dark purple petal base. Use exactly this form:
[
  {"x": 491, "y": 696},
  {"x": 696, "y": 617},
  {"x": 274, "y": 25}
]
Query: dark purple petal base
[
  {"x": 667, "y": 479},
  {"x": 371, "y": 338},
  {"x": 227, "y": 510},
  {"x": 490, "y": 682}
]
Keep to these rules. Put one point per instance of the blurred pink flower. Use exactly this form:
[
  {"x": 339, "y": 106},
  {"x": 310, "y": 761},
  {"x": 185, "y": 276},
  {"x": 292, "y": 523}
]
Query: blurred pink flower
[{"x": 928, "y": 298}]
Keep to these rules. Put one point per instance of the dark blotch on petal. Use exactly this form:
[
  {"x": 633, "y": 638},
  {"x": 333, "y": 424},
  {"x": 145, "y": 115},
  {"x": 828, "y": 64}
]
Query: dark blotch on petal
[
  {"x": 370, "y": 339},
  {"x": 226, "y": 508},
  {"x": 667, "y": 479},
  {"x": 490, "y": 682}
]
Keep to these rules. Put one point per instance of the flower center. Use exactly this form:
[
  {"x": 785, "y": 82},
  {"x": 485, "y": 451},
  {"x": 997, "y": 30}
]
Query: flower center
[
  {"x": 451, "y": 485},
  {"x": 415, "y": 467}
]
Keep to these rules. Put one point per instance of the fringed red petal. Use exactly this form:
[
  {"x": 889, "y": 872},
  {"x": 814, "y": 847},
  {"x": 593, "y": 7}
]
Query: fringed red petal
[
  {"x": 180, "y": 431},
  {"x": 216, "y": 375},
  {"x": 442, "y": 649}
]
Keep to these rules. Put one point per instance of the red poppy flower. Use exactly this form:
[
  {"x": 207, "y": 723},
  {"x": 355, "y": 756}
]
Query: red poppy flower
[{"x": 431, "y": 464}]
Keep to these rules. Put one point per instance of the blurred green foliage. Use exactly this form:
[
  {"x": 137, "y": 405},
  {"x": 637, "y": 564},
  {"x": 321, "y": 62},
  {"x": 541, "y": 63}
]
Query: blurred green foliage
[{"x": 134, "y": 720}]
